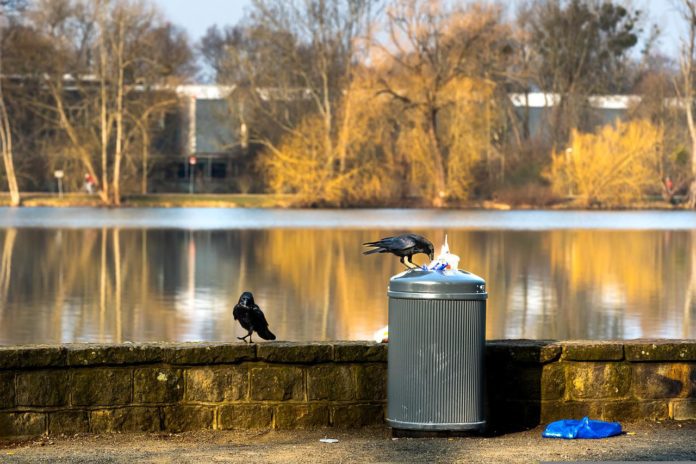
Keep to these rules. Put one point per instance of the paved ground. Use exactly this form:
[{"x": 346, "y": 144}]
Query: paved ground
[{"x": 643, "y": 441}]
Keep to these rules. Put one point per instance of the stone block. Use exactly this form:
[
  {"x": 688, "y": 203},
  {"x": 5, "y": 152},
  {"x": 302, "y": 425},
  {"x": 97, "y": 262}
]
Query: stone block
[
  {"x": 35, "y": 356},
  {"x": 245, "y": 416},
  {"x": 371, "y": 381},
  {"x": 7, "y": 390},
  {"x": 42, "y": 388},
  {"x": 182, "y": 418},
  {"x": 68, "y": 422},
  {"x": 89, "y": 354},
  {"x": 22, "y": 424},
  {"x": 553, "y": 381},
  {"x": 291, "y": 352},
  {"x": 216, "y": 384},
  {"x": 101, "y": 387},
  {"x": 660, "y": 350},
  {"x": 360, "y": 352},
  {"x": 631, "y": 411},
  {"x": 598, "y": 380},
  {"x": 157, "y": 385},
  {"x": 277, "y": 383},
  {"x": 593, "y": 351},
  {"x": 209, "y": 353},
  {"x": 330, "y": 382},
  {"x": 358, "y": 415},
  {"x": 301, "y": 416},
  {"x": 128, "y": 419},
  {"x": 525, "y": 351},
  {"x": 559, "y": 409},
  {"x": 683, "y": 409},
  {"x": 661, "y": 380}
]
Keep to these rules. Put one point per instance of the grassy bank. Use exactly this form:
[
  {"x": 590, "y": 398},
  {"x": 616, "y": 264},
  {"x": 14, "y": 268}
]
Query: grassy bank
[
  {"x": 264, "y": 200},
  {"x": 163, "y": 200}
]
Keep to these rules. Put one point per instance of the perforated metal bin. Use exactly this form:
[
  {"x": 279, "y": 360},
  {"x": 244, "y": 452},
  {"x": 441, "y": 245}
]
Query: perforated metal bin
[{"x": 437, "y": 331}]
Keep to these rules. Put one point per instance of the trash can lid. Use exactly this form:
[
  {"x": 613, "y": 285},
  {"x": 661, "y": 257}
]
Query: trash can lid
[{"x": 447, "y": 285}]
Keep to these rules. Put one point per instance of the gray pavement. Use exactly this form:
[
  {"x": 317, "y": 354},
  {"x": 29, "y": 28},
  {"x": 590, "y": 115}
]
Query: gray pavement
[{"x": 643, "y": 441}]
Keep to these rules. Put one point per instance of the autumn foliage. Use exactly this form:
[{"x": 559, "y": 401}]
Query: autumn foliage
[
  {"x": 616, "y": 165},
  {"x": 416, "y": 123}
]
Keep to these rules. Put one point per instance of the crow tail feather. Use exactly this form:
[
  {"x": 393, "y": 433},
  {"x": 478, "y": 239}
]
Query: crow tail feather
[{"x": 266, "y": 334}]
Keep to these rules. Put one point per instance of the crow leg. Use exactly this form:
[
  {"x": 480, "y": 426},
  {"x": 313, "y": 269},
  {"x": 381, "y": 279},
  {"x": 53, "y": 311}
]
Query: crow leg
[
  {"x": 409, "y": 264},
  {"x": 402, "y": 262},
  {"x": 245, "y": 337}
]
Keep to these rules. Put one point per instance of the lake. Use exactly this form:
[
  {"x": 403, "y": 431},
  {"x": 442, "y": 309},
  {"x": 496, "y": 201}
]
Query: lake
[{"x": 115, "y": 275}]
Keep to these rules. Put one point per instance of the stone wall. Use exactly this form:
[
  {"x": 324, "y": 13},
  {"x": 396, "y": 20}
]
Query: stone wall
[
  {"x": 535, "y": 382},
  {"x": 177, "y": 387}
]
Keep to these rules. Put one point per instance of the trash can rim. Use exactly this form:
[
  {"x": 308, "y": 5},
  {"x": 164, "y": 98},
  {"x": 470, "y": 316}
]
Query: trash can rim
[
  {"x": 437, "y": 296},
  {"x": 439, "y": 285}
]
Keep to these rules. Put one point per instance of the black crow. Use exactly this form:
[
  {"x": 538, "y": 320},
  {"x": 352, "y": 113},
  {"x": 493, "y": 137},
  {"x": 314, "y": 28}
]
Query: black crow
[
  {"x": 251, "y": 318},
  {"x": 404, "y": 246}
]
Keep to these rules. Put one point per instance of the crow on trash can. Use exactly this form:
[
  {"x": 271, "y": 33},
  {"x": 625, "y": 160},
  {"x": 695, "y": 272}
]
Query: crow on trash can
[
  {"x": 251, "y": 318},
  {"x": 404, "y": 246}
]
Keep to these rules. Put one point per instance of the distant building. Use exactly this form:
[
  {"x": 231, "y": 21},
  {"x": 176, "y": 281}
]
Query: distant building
[
  {"x": 210, "y": 148},
  {"x": 537, "y": 105}
]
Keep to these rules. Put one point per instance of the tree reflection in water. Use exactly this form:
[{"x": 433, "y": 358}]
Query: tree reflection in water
[{"x": 113, "y": 285}]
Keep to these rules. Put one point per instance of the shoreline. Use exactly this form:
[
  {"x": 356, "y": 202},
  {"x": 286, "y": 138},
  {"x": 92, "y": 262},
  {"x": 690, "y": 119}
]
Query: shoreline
[{"x": 274, "y": 201}]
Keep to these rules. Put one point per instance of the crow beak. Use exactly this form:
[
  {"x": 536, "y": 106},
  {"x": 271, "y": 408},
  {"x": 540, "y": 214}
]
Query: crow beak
[{"x": 432, "y": 256}]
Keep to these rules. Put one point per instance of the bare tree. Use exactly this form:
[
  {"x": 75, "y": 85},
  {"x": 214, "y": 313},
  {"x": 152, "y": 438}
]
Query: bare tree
[
  {"x": 6, "y": 8},
  {"x": 294, "y": 60},
  {"x": 441, "y": 65},
  {"x": 114, "y": 60},
  {"x": 687, "y": 9},
  {"x": 581, "y": 47}
]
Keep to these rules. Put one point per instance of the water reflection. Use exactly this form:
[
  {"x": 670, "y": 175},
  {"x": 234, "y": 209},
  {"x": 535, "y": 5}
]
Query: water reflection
[{"x": 111, "y": 285}]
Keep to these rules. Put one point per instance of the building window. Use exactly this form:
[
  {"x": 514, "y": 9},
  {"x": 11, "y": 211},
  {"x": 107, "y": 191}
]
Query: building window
[
  {"x": 182, "y": 171},
  {"x": 218, "y": 170}
]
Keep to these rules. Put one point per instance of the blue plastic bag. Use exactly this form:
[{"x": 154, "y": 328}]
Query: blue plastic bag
[{"x": 585, "y": 428}]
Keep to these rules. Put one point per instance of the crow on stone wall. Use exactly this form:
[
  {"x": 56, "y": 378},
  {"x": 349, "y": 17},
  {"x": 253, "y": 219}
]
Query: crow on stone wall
[{"x": 251, "y": 318}]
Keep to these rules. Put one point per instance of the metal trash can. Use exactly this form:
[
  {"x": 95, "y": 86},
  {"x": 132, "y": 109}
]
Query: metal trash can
[{"x": 437, "y": 332}]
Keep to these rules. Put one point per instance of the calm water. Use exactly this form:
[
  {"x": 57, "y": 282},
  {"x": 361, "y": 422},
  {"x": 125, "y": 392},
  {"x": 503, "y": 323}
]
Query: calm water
[{"x": 174, "y": 274}]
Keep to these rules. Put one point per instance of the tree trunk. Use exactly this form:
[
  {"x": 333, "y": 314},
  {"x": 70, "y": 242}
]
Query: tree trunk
[
  {"x": 691, "y": 196},
  {"x": 6, "y": 141},
  {"x": 439, "y": 161},
  {"x": 687, "y": 71},
  {"x": 104, "y": 121},
  {"x": 118, "y": 150},
  {"x": 143, "y": 182}
]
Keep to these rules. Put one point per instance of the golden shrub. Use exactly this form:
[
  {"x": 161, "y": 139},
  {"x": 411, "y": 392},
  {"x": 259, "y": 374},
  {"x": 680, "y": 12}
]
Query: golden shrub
[
  {"x": 614, "y": 166},
  {"x": 350, "y": 162}
]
